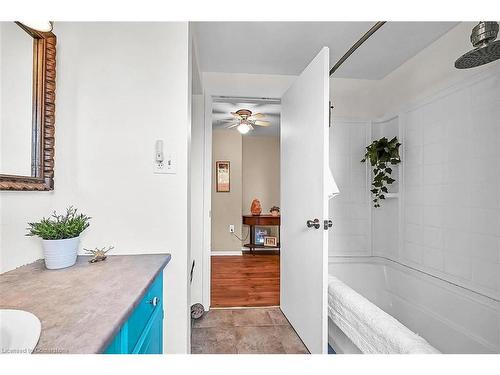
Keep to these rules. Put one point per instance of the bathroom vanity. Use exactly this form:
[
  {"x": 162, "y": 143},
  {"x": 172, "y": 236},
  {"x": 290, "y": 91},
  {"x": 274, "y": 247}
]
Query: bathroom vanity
[
  {"x": 114, "y": 306},
  {"x": 142, "y": 333}
]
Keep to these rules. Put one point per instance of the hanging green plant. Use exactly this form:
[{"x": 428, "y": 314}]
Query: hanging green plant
[{"x": 381, "y": 154}]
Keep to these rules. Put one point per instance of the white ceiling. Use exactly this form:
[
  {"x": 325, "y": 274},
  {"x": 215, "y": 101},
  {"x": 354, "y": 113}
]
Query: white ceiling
[
  {"x": 221, "y": 110},
  {"x": 287, "y": 47}
]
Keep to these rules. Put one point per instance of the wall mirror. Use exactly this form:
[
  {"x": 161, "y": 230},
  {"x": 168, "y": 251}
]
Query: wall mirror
[{"x": 27, "y": 107}]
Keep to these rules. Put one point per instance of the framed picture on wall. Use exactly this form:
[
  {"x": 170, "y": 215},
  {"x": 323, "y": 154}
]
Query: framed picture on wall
[{"x": 222, "y": 176}]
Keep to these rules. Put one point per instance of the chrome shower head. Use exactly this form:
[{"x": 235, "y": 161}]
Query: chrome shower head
[{"x": 485, "y": 48}]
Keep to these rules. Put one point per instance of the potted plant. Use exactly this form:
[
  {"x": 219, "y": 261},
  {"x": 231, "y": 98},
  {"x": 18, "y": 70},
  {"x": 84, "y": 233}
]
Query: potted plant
[
  {"x": 381, "y": 153},
  {"x": 60, "y": 236}
]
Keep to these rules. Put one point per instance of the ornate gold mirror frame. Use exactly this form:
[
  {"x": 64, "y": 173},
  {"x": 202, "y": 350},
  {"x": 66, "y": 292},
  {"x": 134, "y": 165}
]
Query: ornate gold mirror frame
[{"x": 43, "y": 115}]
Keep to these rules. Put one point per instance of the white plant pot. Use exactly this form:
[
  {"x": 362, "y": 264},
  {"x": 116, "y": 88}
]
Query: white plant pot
[{"x": 60, "y": 253}]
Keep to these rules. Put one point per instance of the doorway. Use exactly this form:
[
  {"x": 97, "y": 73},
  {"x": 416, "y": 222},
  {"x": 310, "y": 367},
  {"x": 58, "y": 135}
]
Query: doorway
[
  {"x": 245, "y": 256},
  {"x": 304, "y": 191}
]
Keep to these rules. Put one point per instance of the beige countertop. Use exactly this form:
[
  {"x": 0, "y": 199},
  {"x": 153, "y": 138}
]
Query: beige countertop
[{"x": 82, "y": 307}]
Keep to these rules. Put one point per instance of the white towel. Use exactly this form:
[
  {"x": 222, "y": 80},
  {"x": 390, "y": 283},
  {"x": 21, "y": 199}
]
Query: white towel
[
  {"x": 371, "y": 329},
  {"x": 331, "y": 186}
]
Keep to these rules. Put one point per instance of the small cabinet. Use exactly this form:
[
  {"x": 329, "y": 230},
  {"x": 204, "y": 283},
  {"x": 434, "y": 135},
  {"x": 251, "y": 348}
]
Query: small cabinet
[{"x": 142, "y": 333}]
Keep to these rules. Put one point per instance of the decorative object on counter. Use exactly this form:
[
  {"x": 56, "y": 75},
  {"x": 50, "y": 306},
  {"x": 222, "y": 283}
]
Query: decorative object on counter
[
  {"x": 223, "y": 176},
  {"x": 197, "y": 311},
  {"x": 270, "y": 241},
  {"x": 275, "y": 210},
  {"x": 381, "y": 153},
  {"x": 255, "y": 208},
  {"x": 60, "y": 236},
  {"x": 98, "y": 254}
]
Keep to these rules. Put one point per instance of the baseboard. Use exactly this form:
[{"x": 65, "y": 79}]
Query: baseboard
[{"x": 225, "y": 252}]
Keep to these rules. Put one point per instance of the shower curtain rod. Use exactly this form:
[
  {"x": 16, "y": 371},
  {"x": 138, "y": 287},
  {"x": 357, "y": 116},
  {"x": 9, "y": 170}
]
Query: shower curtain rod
[{"x": 355, "y": 46}]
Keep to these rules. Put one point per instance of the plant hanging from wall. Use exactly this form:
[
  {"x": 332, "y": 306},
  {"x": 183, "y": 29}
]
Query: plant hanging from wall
[{"x": 382, "y": 153}]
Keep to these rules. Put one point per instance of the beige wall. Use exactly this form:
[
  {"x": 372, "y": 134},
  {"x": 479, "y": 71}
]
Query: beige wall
[
  {"x": 226, "y": 207},
  {"x": 254, "y": 174},
  {"x": 261, "y": 172}
]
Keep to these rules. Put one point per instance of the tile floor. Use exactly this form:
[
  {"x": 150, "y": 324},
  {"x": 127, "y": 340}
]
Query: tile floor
[{"x": 245, "y": 331}]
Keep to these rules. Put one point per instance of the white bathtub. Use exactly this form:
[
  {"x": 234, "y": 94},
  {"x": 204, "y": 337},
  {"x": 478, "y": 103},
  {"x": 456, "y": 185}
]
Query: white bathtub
[{"x": 451, "y": 318}]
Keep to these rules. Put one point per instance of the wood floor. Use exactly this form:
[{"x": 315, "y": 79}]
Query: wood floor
[{"x": 245, "y": 281}]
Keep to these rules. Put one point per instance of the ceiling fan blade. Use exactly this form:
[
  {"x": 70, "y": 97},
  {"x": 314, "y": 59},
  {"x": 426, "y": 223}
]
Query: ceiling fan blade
[
  {"x": 235, "y": 114},
  {"x": 232, "y": 125},
  {"x": 262, "y": 123},
  {"x": 257, "y": 115}
]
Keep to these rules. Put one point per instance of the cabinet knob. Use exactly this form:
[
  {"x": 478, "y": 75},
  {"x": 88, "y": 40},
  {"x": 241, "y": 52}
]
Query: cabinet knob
[{"x": 154, "y": 301}]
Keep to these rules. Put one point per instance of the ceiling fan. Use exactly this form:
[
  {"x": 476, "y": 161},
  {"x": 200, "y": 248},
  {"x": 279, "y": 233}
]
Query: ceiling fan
[{"x": 245, "y": 121}]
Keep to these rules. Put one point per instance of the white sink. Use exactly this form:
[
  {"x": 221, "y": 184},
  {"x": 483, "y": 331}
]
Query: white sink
[{"x": 19, "y": 331}]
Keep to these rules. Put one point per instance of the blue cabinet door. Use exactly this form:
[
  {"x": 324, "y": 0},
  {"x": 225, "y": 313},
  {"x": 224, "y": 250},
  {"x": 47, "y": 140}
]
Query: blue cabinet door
[
  {"x": 151, "y": 341},
  {"x": 142, "y": 333}
]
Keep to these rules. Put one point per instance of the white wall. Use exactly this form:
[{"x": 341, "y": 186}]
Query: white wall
[
  {"x": 120, "y": 86},
  {"x": 246, "y": 85},
  {"x": 446, "y": 218}
]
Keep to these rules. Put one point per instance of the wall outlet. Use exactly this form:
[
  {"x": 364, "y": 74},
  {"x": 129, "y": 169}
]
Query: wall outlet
[
  {"x": 166, "y": 166},
  {"x": 231, "y": 228}
]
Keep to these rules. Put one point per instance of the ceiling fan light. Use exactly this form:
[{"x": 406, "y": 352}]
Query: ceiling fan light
[
  {"x": 44, "y": 26},
  {"x": 243, "y": 128}
]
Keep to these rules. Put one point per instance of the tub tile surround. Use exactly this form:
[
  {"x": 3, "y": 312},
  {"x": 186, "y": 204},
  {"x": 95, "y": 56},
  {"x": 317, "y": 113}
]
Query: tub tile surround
[
  {"x": 83, "y": 306},
  {"x": 245, "y": 331},
  {"x": 452, "y": 319},
  {"x": 350, "y": 209},
  {"x": 451, "y": 189},
  {"x": 446, "y": 219}
]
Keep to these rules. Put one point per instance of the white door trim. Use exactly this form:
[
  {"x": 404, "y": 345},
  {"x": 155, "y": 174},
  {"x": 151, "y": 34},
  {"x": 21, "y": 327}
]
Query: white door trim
[{"x": 207, "y": 201}]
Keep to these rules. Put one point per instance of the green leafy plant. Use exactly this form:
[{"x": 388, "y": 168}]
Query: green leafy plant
[
  {"x": 382, "y": 153},
  {"x": 59, "y": 227}
]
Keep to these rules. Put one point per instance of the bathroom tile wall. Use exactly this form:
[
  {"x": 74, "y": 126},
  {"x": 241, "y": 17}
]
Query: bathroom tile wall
[
  {"x": 350, "y": 209},
  {"x": 448, "y": 206},
  {"x": 451, "y": 224},
  {"x": 385, "y": 219}
]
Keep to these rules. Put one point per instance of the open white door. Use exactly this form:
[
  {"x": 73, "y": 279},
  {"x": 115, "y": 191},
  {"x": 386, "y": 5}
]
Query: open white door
[{"x": 304, "y": 166}]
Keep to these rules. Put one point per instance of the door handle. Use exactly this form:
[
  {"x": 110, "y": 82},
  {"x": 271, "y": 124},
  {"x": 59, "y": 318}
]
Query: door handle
[
  {"x": 327, "y": 224},
  {"x": 313, "y": 224}
]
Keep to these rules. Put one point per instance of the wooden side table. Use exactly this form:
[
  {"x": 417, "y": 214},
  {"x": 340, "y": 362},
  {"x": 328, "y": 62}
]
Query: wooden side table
[{"x": 264, "y": 221}]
